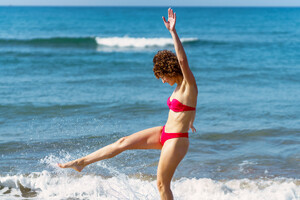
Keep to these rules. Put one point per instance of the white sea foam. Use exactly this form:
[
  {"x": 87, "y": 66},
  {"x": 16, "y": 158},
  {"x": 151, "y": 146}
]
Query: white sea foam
[
  {"x": 138, "y": 42},
  {"x": 44, "y": 185},
  {"x": 56, "y": 183}
]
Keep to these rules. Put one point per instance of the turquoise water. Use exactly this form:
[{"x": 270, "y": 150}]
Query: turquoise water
[{"x": 73, "y": 79}]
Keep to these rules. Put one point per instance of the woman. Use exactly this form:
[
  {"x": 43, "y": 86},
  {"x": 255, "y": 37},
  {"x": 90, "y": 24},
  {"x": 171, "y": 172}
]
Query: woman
[{"x": 172, "y": 138}]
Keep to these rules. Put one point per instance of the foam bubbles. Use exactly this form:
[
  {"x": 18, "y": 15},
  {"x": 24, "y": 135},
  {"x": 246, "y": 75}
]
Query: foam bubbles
[
  {"x": 46, "y": 185},
  {"x": 56, "y": 183},
  {"x": 49, "y": 186},
  {"x": 243, "y": 189}
]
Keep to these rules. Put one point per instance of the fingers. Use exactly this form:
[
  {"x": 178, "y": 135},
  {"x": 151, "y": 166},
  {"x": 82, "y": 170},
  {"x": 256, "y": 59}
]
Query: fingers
[
  {"x": 170, "y": 13},
  {"x": 193, "y": 129}
]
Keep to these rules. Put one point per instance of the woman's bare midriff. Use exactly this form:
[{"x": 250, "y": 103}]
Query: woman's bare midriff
[{"x": 178, "y": 122}]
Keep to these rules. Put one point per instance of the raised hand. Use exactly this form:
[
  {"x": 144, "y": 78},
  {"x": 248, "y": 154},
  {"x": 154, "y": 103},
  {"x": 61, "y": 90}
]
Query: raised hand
[{"x": 170, "y": 24}]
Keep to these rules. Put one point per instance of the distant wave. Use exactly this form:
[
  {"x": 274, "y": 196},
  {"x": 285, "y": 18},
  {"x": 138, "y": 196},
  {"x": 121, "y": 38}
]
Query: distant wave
[
  {"x": 93, "y": 42},
  {"x": 139, "y": 42},
  {"x": 120, "y": 42}
]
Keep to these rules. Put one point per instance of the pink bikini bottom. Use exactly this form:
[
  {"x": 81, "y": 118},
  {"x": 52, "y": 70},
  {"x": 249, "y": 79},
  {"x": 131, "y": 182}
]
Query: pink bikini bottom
[{"x": 166, "y": 136}]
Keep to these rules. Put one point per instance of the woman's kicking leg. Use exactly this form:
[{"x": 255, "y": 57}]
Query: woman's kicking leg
[
  {"x": 172, "y": 153},
  {"x": 146, "y": 139}
]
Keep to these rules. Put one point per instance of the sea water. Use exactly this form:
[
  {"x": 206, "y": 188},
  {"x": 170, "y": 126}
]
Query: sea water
[{"x": 74, "y": 79}]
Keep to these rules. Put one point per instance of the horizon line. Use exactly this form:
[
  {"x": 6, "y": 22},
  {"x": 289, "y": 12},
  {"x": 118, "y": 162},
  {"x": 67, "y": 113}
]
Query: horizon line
[{"x": 159, "y": 6}]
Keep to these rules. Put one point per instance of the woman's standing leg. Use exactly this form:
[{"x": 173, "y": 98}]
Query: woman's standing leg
[
  {"x": 146, "y": 139},
  {"x": 172, "y": 153}
]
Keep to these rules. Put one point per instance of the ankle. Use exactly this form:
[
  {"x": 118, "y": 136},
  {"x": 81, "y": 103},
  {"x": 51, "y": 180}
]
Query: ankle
[{"x": 81, "y": 162}]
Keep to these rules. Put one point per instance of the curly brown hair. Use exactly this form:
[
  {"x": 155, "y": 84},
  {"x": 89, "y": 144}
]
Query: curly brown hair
[{"x": 166, "y": 63}]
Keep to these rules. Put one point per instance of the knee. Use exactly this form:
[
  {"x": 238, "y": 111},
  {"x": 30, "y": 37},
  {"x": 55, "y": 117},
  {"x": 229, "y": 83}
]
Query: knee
[
  {"x": 122, "y": 143},
  {"x": 162, "y": 185}
]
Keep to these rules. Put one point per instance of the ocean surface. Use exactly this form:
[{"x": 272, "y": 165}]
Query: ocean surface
[{"x": 74, "y": 79}]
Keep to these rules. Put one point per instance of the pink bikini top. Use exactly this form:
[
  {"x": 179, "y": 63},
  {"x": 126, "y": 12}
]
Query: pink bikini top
[{"x": 176, "y": 106}]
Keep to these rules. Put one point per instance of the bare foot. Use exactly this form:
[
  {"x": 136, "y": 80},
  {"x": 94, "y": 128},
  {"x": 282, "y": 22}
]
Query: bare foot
[{"x": 75, "y": 164}]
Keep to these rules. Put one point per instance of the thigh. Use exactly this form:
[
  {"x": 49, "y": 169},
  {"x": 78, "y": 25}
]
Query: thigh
[
  {"x": 145, "y": 139},
  {"x": 172, "y": 153}
]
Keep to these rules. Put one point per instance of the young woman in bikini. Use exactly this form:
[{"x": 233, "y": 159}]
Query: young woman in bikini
[{"x": 172, "y": 138}]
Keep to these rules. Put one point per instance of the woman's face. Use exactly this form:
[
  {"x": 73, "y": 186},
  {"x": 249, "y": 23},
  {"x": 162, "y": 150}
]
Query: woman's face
[{"x": 167, "y": 79}]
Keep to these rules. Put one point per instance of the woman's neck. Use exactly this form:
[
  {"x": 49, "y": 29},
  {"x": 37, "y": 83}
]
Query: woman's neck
[{"x": 179, "y": 80}]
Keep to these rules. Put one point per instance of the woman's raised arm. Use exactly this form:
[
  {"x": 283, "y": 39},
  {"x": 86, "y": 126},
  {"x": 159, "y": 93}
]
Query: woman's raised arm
[{"x": 181, "y": 56}]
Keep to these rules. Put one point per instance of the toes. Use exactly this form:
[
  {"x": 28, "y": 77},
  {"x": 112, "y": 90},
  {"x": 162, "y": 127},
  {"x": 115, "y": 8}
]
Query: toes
[{"x": 60, "y": 165}]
